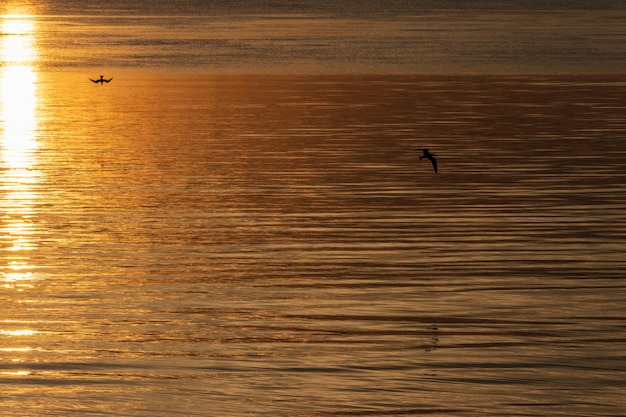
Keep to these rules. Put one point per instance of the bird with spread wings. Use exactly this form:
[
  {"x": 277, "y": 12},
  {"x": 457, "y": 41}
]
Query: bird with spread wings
[
  {"x": 429, "y": 156},
  {"x": 101, "y": 80}
]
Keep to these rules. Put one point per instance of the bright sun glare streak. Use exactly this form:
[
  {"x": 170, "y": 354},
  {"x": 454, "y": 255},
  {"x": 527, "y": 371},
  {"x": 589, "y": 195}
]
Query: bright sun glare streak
[
  {"x": 18, "y": 145},
  {"x": 24, "y": 332},
  {"x": 18, "y": 40},
  {"x": 18, "y": 91}
]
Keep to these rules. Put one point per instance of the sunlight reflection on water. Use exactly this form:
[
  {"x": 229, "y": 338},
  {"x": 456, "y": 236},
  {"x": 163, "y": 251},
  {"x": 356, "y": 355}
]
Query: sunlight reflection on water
[{"x": 18, "y": 146}]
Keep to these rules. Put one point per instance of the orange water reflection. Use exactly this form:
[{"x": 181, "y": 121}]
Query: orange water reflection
[{"x": 18, "y": 149}]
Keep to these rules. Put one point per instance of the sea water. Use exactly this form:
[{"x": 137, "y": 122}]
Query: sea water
[{"x": 198, "y": 237}]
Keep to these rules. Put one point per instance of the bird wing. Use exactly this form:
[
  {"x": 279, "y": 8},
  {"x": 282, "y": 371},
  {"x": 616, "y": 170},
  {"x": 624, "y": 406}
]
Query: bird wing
[
  {"x": 94, "y": 81},
  {"x": 109, "y": 80},
  {"x": 434, "y": 161}
]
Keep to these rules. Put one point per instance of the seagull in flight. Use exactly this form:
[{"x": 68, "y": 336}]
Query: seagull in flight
[
  {"x": 101, "y": 80},
  {"x": 429, "y": 156}
]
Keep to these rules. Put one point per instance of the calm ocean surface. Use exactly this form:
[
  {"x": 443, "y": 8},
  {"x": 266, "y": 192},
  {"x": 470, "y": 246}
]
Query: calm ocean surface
[{"x": 195, "y": 240}]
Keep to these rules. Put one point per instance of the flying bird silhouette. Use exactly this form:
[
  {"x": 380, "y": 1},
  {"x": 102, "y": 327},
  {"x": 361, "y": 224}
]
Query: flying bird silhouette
[
  {"x": 429, "y": 156},
  {"x": 101, "y": 80}
]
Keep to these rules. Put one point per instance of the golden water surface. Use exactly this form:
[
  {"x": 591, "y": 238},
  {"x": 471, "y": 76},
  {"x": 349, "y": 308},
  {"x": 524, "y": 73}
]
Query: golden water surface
[{"x": 181, "y": 243}]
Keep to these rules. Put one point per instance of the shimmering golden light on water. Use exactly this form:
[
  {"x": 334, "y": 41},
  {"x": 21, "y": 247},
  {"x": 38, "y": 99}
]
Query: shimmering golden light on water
[
  {"x": 18, "y": 98},
  {"x": 22, "y": 332},
  {"x": 18, "y": 42},
  {"x": 17, "y": 24},
  {"x": 18, "y": 146}
]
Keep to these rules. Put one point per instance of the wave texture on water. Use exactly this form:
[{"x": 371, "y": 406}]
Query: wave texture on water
[{"x": 233, "y": 245}]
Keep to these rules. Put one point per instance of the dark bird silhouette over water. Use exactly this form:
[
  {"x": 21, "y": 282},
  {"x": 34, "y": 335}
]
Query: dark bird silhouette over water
[
  {"x": 101, "y": 80},
  {"x": 429, "y": 156}
]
